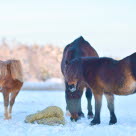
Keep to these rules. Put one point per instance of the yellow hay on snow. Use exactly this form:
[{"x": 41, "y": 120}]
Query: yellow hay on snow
[
  {"x": 51, "y": 121},
  {"x": 51, "y": 115}
]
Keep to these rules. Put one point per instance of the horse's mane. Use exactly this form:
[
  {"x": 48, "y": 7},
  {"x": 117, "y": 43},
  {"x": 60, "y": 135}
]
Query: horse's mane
[
  {"x": 74, "y": 69},
  {"x": 12, "y": 66}
]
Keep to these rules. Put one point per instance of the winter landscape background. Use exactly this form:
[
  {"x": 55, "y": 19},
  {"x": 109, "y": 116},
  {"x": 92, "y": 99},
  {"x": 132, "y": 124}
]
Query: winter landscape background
[
  {"x": 39, "y": 62},
  {"x": 36, "y": 32},
  {"x": 44, "y": 86}
]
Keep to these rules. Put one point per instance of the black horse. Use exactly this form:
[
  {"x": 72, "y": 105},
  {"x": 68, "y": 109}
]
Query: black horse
[{"x": 78, "y": 48}]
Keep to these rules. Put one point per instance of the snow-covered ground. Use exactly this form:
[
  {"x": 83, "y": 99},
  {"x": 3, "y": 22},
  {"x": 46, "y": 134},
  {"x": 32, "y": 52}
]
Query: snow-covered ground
[
  {"x": 49, "y": 84},
  {"x": 28, "y": 102}
]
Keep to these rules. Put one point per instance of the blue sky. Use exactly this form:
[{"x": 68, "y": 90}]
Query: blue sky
[{"x": 109, "y": 25}]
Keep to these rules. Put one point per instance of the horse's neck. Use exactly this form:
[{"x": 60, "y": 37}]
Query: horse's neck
[{"x": 125, "y": 63}]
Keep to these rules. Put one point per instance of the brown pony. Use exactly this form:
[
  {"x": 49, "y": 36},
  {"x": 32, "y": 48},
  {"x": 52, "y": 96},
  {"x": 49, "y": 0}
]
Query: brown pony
[
  {"x": 11, "y": 81},
  {"x": 104, "y": 76},
  {"x": 78, "y": 48}
]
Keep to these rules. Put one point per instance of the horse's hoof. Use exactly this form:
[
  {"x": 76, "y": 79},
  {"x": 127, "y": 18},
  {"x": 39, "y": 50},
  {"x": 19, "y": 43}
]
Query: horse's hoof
[
  {"x": 9, "y": 117},
  {"x": 81, "y": 115},
  {"x": 6, "y": 118},
  {"x": 74, "y": 120},
  {"x": 74, "y": 117},
  {"x": 90, "y": 116},
  {"x": 94, "y": 122},
  {"x": 112, "y": 122}
]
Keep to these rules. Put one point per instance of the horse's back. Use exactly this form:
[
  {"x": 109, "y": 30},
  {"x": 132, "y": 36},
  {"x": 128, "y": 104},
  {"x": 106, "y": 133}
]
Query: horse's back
[
  {"x": 11, "y": 75},
  {"x": 112, "y": 75},
  {"x": 82, "y": 45},
  {"x": 103, "y": 72},
  {"x": 78, "y": 48}
]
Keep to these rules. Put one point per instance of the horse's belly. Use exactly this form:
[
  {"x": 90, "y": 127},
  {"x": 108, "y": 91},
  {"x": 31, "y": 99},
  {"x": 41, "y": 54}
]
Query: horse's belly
[{"x": 127, "y": 89}]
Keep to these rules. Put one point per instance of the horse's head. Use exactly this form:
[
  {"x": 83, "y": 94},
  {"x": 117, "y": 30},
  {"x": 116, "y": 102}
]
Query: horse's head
[{"x": 73, "y": 73}]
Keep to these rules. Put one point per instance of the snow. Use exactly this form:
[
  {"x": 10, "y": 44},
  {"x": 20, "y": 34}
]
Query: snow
[
  {"x": 28, "y": 102},
  {"x": 49, "y": 84}
]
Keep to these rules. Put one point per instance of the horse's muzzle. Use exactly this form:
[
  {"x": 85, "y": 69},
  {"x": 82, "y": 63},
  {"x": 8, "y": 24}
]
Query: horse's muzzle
[
  {"x": 72, "y": 88},
  {"x": 74, "y": 117}
]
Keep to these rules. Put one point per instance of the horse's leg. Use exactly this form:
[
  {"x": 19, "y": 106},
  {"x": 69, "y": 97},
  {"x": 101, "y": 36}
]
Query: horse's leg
[
  {"x": 66, "y": 89},
  {"x": 67, "y": 99},
  {"x": 67, "y": 109},
  {"x": 89, "y": 106},
  {"x": 12, "y": 100},
  {"x": 80, "y": 113},
  {"x": 110, "y": 104},
  {"x": 98, "y": 103},
  {"x": 6, "y": 103},
  {"x": 80, "y": 93}
]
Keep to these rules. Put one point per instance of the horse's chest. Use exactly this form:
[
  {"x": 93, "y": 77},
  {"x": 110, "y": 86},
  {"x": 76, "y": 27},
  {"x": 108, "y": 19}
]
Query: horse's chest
[{"x": 133, "y": 86}]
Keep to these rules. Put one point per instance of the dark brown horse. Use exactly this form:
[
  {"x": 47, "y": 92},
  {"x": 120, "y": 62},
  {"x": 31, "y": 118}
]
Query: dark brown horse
[
  {"x": 78, "y": 48},
  {"x": 11, "y": 81},
  {"x": 104, "y": 76}
]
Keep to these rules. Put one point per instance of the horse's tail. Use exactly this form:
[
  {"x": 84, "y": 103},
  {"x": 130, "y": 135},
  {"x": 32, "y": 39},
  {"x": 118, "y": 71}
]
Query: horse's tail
[
  {"x": 3, "y": 70},
  {"x": 16, "y": 70}
]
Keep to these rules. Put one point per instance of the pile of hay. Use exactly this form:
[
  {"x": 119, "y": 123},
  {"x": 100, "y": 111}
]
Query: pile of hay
[{"x": 52, "y": 115}]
